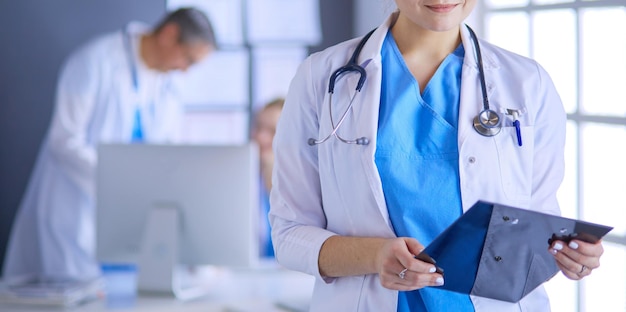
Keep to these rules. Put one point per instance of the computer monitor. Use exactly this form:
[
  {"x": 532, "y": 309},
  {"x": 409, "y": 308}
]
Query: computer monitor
[{"x": 161, "y": 206}]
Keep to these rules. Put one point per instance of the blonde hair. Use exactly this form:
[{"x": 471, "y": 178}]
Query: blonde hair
[{"x": 277, "y": 102}]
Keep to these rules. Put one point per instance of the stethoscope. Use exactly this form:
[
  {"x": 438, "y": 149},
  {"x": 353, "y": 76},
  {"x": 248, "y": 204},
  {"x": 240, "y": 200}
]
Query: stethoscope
[{"x": 486, "y": 123}]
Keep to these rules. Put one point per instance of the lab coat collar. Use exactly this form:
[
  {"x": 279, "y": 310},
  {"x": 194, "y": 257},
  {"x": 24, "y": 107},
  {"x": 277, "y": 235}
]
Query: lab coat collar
[
  {"x": 366, "y": 108},
  {"x": 370, "y": 54},
  {"x": 371, "y": 50},
  {"x": 489, "y": 60},
  {"x": 471, "y": 93}
]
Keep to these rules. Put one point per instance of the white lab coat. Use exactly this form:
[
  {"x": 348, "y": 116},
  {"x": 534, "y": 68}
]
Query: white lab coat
[
  {"x": 53, "y": 233},
  {"x": 334, "y": 188}
]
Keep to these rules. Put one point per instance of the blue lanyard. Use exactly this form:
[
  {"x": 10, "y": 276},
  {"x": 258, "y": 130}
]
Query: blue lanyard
[{"x": 137, "y": 131}]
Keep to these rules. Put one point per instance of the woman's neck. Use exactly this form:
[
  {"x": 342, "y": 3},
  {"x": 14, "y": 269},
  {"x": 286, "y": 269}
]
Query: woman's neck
[{"x": 431, "y": 46}]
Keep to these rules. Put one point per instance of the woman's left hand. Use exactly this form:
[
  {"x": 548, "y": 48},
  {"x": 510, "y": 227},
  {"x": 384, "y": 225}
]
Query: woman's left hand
[{"x": 577, "y": 259}]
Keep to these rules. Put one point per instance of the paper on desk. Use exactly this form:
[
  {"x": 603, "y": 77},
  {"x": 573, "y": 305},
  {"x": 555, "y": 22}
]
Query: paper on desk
[{"x": 50, "y": 292}]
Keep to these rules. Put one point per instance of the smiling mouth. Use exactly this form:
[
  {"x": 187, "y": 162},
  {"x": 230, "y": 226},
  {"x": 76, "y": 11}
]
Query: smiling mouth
[{"x": 442, "y": 8}]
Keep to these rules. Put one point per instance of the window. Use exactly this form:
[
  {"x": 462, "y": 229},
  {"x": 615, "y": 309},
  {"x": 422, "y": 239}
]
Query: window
[
  {"x": 582, "y": 44},
  {"x": 262, "y": 43}
]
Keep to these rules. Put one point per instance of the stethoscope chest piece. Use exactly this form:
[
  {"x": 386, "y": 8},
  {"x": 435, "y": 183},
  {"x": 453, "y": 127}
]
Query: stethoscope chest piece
[{"x": 487, "y": 123}]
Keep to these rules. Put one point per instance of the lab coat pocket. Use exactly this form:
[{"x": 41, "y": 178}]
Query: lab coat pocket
[{"x": 516, "y": 162}]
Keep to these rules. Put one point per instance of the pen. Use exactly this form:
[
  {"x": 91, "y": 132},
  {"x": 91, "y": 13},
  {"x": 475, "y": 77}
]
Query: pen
[
  {"x": 516, "y": 124},
  {"x": 518, "y": 132}
]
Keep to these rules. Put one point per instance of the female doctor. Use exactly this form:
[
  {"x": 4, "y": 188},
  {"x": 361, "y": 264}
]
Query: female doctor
[{"x": 370, "y": 167}]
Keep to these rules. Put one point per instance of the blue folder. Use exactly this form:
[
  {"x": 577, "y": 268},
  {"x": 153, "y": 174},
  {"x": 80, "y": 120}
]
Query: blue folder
[{"x": 501, "y": 252}]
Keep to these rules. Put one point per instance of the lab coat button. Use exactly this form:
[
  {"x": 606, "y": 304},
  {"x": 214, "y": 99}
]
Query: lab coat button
[
  {"x": 498, "y": 258},
  {"x": 472, "y": 159}
]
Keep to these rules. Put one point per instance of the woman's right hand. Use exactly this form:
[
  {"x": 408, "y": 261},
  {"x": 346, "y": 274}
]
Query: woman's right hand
[{"x": 398, "y": 254}]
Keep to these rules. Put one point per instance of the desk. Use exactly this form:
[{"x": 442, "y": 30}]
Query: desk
[{"x": 263, "y": 290}]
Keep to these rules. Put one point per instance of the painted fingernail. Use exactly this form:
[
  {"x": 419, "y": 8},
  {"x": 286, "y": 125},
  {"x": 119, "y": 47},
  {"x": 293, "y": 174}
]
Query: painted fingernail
[
  {"x": 558, "y": 246},
  {"x": 573, "y": 245},
  {"x": 553, "y": 251},
  {"x": 439, "y": 281},
  {"x": 432, "y": 270}
]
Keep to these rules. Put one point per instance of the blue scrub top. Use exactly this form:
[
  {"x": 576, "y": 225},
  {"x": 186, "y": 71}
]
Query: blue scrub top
[
  {"x": 266, "y": 249},
  {"x": 417, "y": 159}
]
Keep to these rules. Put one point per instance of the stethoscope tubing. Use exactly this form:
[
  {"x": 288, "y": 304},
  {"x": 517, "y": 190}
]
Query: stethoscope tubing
[
  {"x": 486, "y": 123},
  {"x": 481, "y": 71},
  {"x": 334, "y": 133}
]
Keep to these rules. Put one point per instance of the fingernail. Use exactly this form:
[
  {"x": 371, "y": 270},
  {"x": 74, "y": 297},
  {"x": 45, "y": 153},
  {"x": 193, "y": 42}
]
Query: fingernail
[
  {"x": 553, "y": 251},
  {"x": 558, "y": 246},
  {"x": 432, "y": 270},
  {"x": 439, "y": 281},
  {"x": 573, "y": 245}
]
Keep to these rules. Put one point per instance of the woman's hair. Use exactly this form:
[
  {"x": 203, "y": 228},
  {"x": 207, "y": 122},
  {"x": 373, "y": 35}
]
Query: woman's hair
[
  {"x": 277, "y": 102},
  {"x": 194, "y": 26}
]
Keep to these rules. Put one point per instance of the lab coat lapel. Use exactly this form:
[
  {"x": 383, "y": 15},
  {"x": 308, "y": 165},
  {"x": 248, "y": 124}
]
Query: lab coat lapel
[
  {"x": 471, "y": 94},
  {"x": 113, "y": 110},
  {"x": 367, "y": 111}
]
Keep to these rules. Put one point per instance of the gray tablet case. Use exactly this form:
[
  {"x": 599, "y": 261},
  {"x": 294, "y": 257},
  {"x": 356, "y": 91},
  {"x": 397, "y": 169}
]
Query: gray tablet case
[{"x": 501, "y": 252}]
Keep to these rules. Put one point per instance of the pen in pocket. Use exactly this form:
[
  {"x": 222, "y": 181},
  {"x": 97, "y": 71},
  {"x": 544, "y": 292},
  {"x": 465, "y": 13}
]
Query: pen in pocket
[{"x": 518, "y": 132}]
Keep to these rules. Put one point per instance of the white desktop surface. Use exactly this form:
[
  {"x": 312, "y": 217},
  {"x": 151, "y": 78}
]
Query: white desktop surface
[{"x": 263, "y": 290}]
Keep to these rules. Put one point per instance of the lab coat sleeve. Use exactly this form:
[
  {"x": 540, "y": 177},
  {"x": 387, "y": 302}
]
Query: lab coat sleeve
[
  {"x": 296, "y": 214},
  {"x": 67, "y": 138},
  {"x": 549, "y": 137}
]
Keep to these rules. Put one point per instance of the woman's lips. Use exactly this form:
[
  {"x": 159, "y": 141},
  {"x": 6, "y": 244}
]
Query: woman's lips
[{"x": 441, "y": 8}]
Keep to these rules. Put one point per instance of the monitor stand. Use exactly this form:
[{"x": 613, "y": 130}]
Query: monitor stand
[{"x": 159, "y": 270}]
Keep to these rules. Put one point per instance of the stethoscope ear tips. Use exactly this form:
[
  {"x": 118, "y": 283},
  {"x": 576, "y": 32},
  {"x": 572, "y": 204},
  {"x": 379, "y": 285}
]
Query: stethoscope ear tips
[
  {"x": 362, "y": 141},
  {"x": 311, "y": 141}
]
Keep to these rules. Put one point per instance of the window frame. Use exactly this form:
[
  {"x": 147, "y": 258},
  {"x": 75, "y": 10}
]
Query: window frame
[{"x": 578, "y": 117}]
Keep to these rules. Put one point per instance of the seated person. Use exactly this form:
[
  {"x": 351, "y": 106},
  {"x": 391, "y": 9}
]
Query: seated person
[{"x": 263, "y": 134}]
